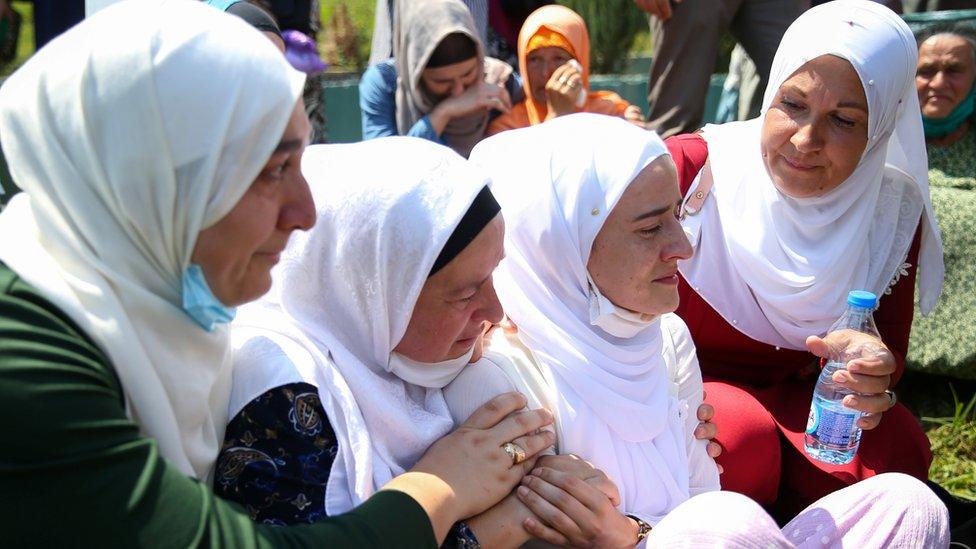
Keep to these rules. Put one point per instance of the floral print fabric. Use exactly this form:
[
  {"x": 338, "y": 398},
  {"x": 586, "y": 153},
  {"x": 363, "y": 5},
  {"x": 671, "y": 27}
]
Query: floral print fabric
[
  {"x": 945, "y": 341},
  {"x": 276, "y": 458}
]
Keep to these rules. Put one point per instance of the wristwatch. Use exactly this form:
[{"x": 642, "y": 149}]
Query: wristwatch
[{"x": 643, "y": 528}]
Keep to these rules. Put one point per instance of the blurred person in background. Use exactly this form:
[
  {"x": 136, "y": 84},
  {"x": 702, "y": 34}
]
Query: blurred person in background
[
  {"x": 554, "y": 60},
  {"x": 439, "y": 85},
  {"x": 686, "y": 35}
]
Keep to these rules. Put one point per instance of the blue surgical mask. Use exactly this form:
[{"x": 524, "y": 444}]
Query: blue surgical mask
[{"x": 200, "y": 303}]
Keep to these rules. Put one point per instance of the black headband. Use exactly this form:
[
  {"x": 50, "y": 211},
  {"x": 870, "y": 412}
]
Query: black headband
[
  {"x": 483, "y": 209},
  {"x": 255, "y": 16}
]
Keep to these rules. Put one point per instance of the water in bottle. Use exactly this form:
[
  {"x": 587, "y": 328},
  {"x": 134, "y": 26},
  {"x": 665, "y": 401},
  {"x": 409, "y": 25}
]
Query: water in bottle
[{"x": 832, "y": 434}]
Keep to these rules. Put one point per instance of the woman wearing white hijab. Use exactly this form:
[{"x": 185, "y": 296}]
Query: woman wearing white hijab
[
  {"x": 624, "y": 386},
  {"x": 339, "y": 370},
  {"x": 158, "y": 146},
  {"x": 589, "y": 280},
  {"x": 825, "y": 192}
]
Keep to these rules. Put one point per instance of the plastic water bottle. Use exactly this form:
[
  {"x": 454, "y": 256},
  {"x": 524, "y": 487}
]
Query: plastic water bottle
[{"x": 832, "y": 434}]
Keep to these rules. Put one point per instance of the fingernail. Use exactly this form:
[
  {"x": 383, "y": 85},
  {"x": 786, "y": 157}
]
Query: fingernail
[
  {"x": 523, "y": 491},
  {"x": 850, "y": 401}
]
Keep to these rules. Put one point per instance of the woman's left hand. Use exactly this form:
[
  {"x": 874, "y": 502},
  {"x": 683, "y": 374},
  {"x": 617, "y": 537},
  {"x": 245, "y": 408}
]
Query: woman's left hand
[
  {"x": 574, "y": 511},
  {"x": 868, "y": 372},
  {"x": 707, "y": 430}
]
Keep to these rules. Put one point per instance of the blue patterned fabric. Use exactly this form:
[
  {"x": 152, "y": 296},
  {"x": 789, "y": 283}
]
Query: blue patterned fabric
[
  {"x": 276, "y": 459},
  {"x": 276, "y": 456},
  {"x": 461, "y": 537}
]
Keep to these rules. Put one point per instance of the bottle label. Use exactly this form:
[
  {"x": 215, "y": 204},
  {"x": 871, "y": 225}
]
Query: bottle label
[
  {"x": 813, "y": 420},
  {"x": 831, "y": 427}
]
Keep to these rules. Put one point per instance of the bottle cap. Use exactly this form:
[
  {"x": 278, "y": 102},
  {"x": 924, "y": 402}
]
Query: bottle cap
[{"x": 861, "y": 298}]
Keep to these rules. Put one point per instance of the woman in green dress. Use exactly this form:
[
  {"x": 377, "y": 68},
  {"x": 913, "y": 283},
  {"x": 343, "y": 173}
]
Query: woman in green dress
[
  {"x": 158, "y": 146},
  {"x": 945, "y": 341}
]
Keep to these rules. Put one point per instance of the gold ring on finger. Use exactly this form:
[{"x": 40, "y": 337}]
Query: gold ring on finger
[{"x": 514, "y": 451}]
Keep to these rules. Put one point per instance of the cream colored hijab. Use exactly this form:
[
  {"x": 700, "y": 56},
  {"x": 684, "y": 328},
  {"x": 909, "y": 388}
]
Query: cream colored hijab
[
  {"x": 129, "y": 134},
  {"x": 779, "y": 268},
  {"x": 420, "y": 26}
]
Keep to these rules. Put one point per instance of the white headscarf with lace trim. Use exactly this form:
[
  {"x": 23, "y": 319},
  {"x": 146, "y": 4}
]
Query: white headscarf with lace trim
[{"x": 779, "y": 268}]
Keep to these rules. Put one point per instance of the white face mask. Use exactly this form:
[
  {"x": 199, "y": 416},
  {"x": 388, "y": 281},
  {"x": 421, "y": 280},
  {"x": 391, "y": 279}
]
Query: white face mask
[
  {"x": 433, "y": 375},
  {"x": 614, "y": 320}
]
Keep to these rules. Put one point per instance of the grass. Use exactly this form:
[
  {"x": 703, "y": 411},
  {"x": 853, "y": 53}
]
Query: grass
[{"x": 953, "y": 441}]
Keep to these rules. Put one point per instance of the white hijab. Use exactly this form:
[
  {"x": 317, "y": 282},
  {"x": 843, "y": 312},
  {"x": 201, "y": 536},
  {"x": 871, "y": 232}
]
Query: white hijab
[
  {"x": 343, "y": 295},
  {"x": 129, "y": 134},
  {"x": 779, "y": 268},
  {"x": 557, "y": 183}
]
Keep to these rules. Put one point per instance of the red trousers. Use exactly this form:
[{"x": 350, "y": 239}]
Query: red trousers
[{"x": 761, "y": 432}]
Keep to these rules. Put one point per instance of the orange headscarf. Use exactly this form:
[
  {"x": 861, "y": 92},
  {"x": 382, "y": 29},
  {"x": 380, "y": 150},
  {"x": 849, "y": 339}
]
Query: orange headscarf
[
  {"x": 552, "y": 20},
  {"x": 558, "y": 26},
  {"x": 548, "y": 38}
]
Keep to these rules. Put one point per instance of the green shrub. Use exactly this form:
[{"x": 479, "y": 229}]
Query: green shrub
[
  {"x": 613, "y": 25},
  {"x": 25, "y": 42},
  {"x": 347, "y": 32}
]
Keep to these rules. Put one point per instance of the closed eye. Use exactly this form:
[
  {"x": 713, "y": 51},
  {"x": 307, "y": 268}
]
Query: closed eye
[
  {"x": 844, "y": 122},
  {"x": 791, "y": 105}
]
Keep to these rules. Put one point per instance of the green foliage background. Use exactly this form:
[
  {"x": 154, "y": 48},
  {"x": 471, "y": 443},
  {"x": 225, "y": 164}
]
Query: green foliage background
[
  {"x": 617, "y": 28},
  {"x": 613, "y": 26},
  {"x": 25, "y": 42}
]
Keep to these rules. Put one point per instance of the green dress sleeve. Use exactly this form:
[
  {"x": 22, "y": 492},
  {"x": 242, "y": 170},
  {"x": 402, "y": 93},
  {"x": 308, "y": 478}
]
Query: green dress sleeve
[{"x": 75, "y": 471}]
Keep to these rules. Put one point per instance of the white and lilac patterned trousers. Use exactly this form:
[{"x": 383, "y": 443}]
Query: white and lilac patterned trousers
[{"x": 891, "y": 510}]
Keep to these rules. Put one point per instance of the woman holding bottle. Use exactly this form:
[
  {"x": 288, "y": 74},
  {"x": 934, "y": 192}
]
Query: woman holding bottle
[{"x": 824, "y": 193}]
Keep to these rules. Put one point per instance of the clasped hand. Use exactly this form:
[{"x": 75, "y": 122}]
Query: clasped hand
[
  {"x": 868, "y": 374},
  {"x": 576, "y": 504}
]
